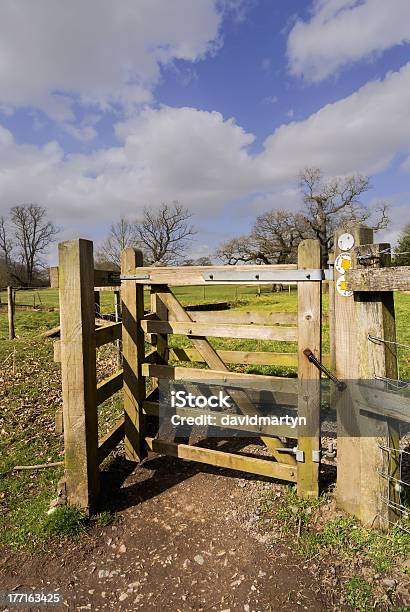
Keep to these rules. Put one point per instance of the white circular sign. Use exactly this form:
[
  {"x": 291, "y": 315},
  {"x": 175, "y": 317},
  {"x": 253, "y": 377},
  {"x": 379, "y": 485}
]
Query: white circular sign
[
  {"x": 341, "y": 286},
  {"x": 345, "y": 242},
  {"x": 343, "y": 262}
]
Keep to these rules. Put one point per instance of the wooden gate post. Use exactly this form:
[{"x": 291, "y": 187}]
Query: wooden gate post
[
  {"x": 348, "y": 491},
  {"x": 309, "y": 333},
  {"x": 133, "y": 354},
  {"x": 78, "y": 371},
  {"x": 375, "y": 318},
  {"x": 117, "y": 315}
]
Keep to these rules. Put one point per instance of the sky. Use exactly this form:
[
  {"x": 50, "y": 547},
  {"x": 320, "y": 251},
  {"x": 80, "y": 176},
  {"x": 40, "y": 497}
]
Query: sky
[{"x": 107, "y": 107}]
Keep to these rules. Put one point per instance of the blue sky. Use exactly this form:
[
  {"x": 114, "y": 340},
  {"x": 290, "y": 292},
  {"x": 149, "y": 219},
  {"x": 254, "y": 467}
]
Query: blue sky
[{"x": 106, "y": 107}]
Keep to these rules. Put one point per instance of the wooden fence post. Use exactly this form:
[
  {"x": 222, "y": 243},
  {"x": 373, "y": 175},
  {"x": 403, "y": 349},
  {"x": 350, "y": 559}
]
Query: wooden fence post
[
  {"x": 117, "y": 312},
  {"x": 133, "y": 353},
  {"x": 348, "y": 491},
  {"x": 309, "y": 333},
  {"x": 10, "y": 312},
  {"x": 78, "y": 371},
  {"x": 331, "y": 311},
  {"x": 375, "y": 318}
]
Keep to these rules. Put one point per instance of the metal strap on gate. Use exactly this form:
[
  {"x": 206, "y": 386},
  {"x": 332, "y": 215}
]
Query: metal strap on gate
[
  {"x": 267, "y": 276},
  {"x": 134, "y": 277}
]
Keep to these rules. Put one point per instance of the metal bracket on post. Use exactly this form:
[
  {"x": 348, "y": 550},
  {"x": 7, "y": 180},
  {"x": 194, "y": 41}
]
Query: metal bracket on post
[
  {"x": 313, "y": 359},
  {"x": 316, "y": 456},
  {"x": 299, "y": 454}
]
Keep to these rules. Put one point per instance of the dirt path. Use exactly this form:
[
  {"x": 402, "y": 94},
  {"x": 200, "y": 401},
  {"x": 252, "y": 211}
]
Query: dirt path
[{"x": 181, "y": 542}]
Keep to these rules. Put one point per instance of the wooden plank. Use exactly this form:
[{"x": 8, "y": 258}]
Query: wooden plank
[
  {"x": 133, "y": 352},
  {"x": 230, "y": 461},
  {"x": 310, "y": 330},
  {"x": 275, "y": 384},
  {"x": 110, "y": 385},
  {"x": 78, "y": 372},
  {"x": 258, "y": 332},
  {"x": 384, "y": 403},
  {"x": 53, "y": 275},
  {"x": 100, "y": 279},
  {"x": 382, "y": 279},
  {"x": 286, "y": 431},
  {"x": 117, "y": 313},
  {"x": 103, "y": 335},
  {"x": 244, "y": 357},
  {"x": 215, "y": 362},
  {"x": 348, "y": 490},
  {"x": 108, "y": 333},
  {"x": 243, "y": 317},
  {"x": 375, "y": 317},
  {"x": 111, "y": 440},
  {"x": 193, "y": 275}
]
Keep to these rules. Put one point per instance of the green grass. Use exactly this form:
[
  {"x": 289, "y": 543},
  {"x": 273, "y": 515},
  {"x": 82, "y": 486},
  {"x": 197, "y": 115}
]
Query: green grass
[
  {"x": 30, "y": 396},
  {"x": 359, "y": 594},
  {"x": 341, "y": 538},
  {"x": 65, "y": 521}
]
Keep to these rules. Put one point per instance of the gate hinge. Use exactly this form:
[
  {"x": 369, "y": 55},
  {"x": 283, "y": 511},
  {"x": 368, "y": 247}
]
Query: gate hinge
[
  {"x": 316, "y": 456},
  {"x": 299, "y": 454},
  {"x": 313, "y": 359}
]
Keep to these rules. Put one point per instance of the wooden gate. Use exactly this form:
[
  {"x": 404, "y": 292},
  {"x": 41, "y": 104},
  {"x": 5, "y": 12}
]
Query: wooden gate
[{"x": 79, "y": 339}]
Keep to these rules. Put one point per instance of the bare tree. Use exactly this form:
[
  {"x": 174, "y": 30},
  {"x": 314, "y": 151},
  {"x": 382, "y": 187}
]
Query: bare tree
[
  {"x": 6, "y": 243},
  {"x": 199, "y": 261},
  {"x": 402, "y": 258},
  {"x": 336, "y": 201},
  {"x": 164, "y": 234},
  {"x": 31, "y": 235},
  {"x": 122, "y": 234},
  {"x": 274, "y": 239}
]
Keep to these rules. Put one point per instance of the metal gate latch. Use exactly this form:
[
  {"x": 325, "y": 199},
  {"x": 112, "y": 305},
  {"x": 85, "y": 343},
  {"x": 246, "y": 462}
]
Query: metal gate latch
[
  {"x": 299, "y": 454},
  {"x": 339, "y": 383}
]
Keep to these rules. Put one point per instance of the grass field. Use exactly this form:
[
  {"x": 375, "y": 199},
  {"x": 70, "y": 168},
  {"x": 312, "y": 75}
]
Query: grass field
[
  {"x": 30, "y": 394},
  {"x": 28, "y": 322}
]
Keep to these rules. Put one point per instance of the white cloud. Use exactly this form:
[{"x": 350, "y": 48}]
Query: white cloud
[
  {"x": 270, "y": 100},
  {"x": 97, "y": 52},
  {"x": 204, "y": 161},
  {"x": 343, "y": 31},
  {"x": 185, "y": 154},
  {"x": 362, "y": 132}
]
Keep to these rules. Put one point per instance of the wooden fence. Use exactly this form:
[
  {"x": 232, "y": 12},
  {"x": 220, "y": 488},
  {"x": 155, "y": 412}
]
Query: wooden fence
[{"x": 361, "y": 308}]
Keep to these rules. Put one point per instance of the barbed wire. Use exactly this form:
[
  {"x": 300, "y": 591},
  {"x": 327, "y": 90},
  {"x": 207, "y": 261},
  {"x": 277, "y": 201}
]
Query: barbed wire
[
  {"x": 400, "y": 485},
  {"x": 382, "y": 252},
  {"x": 378, "y": 340},
  {"x": 396, "y": 383}
]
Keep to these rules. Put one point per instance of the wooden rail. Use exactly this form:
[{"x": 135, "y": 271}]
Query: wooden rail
[
  {"x": 379, "y": 279},
  {"x": 243, "y": 357},
  {"x": 107, "y": 387},
  {"x": 218, "y": 330},
  {"x": 251, "y": 465},
  {"x": 275, "y": 384},
  {"x": 242, "y": 317},
  {"x": 111, "y": 440}
]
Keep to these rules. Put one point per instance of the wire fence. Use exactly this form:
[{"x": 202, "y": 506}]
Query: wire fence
[{"x": 400, "y": 484}]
